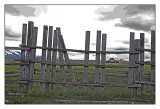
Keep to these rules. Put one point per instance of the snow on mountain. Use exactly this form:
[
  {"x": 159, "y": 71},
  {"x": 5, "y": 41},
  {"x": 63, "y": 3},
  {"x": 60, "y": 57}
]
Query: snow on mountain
[{"x": 12, "y": 54}]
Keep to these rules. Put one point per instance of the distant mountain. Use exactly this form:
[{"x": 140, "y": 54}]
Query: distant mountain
[{"x": 12, "y": 54}]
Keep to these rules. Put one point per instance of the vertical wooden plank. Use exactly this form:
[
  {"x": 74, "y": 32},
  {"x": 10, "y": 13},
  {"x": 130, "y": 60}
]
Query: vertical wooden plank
[
  {"x": 131, "y": 63},
  {"x": 54, "y": 56},
  {"x": 97, "y": 69},
  {"x": 61, "y": 60},
  {"x": 153, "y": 61},
  {"x": 27, "y": 70},
  {"x": 103, "y": 61},
  {"x": 87, "y": 44},
  {"x": 66, "y": 57},
  {"x": 142, "y": 65},
  {"x": 32, "y": 57},
  {"x": 136, "y": 73},
  {"x": 22, "y": 67},
  {"x": 47, "y": 77},
  {"x": 45, "y": 33}
]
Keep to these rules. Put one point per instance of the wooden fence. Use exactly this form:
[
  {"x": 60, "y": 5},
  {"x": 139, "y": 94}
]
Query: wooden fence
[{"x": 48, "y": 62}]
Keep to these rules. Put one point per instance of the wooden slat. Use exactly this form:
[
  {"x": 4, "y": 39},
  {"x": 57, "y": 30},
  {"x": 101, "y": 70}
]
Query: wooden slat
[
  {"x": 66, "y": 57},
  {"x": 136, "y": 73},
  {"x": 86, "y": 57},
  {"x": 97, "y": 69},
  {"x": 70, "y": 83},
  {"x": 47, "y": 76},
  {"x": 27, "y": 70},
  {"x": 144, "y": 82},
  {"x": 61, "y": 60},
  {"x": 16, "y": 64},
  {"x": 106, "y": 73},
  {"x": 33, "y": 53},
  {"x": 77, "y": 64},
  {"x": 12, "y": 75},
  {"x": 44, "y": 44},
  {"x": 18, "y": 48},
  {"x": 22, "y": 67},
  {"x": 54, "y": 56},
  {"x": 83, "y": 51},
  {"x": 142, "y": 65},
  {"x": 153, "y": 61},
  {"x": 131, "y": 63},
  {"x": 103, "y": 61}
]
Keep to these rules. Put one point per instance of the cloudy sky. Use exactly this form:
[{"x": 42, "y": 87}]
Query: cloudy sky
[{"x": 117, "y": 21}]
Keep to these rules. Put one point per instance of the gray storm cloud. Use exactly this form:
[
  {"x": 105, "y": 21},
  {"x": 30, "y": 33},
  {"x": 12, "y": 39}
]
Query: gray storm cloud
[
  {"x": 25, "y": 10},
  {"x": 138, "y": 17},
  {"x": 11, "y": 35}
]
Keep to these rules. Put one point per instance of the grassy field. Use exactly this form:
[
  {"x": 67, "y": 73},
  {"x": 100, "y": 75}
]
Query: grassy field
[{"x": 112, "y": 95}]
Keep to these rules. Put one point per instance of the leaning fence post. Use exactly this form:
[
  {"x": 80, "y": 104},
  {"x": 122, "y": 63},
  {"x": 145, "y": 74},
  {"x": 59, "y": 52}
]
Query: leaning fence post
[
  {"x": 54, "y": 55},
  {"x": 87, "y": 43},
  {"x": 22, "y": 67},
  {"x": 103, "y": 61},
  {"x": 27, "y": 70},
  {"x": 97, "y": 69},
  {"x": 33, "y": 53},
  {"x": 153, "y": 61},
  {"x": 131, "y": 63},
  {"x": 45, "y": 32},
  {"x": 142, "y": 60},
  {"x": 61, "y": 60},
  {"x": 47, "y": 77},
  {"x": 136, "y": 73},
  {"x": 68, "y": 62}
]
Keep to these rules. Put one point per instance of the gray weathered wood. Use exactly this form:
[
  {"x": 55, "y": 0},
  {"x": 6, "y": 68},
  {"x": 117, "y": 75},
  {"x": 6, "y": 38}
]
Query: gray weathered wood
[
  {"x": 97, "y": 69},
  {"x": 83, "y": 51},
  {"x": 103, "y": 61},
  {"x": 153, "y": 61},
  {"x": 44, "y": 44},
  {"x": 142, "y": 65},
  {"x": 17, "y": 48},
  {"x": 27, "y": 70},
  {"x": 61, "y": 59},
  {"x": 131, "y": 63},
  {"x": 66, "y": 57},
  {"x": 33, "y": 53},
  {"x": 54, "y": 56},
  {"x": 86, "y": 57},
  {"x": 47, "y": 76},
  {"x": 136, "y": 73},
  {"x": 22, "y": 67}
]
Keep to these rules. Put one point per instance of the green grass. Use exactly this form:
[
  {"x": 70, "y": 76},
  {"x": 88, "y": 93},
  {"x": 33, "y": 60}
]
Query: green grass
[{"x": 110, "y": 94}]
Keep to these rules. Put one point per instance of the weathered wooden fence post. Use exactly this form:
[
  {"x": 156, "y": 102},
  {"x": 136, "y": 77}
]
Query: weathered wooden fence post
[
  {"x": 103, "y": 61},
  {"x": 131, "y": 63},
  {"x": 54, "y": 56},
  {"x": 86, "y": 57},
  {"x": 97, "y": 69},
  {"x": 136, "y": 73},
  {"x": 45, "y": 33},
  {"x": 47, "y": 76},
  {"x": 61, "y": 60},
  {"x": 142, "y": 61},
  {"x": 153, "y": 61},
  {"x": 33, "y": 53},
  {"x": 27, "y": 70},
  {"x": 22, "y": 67}
]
